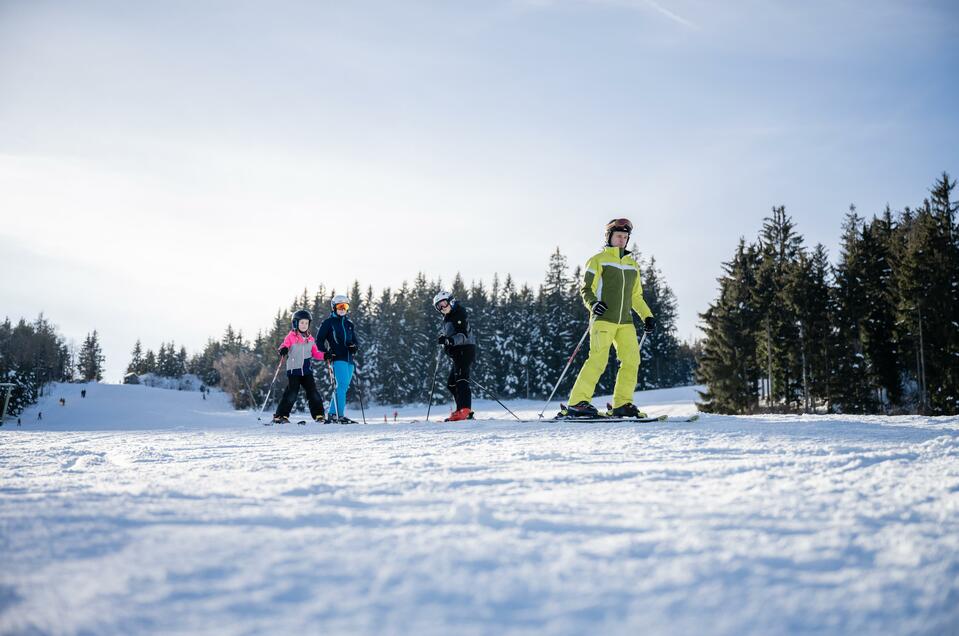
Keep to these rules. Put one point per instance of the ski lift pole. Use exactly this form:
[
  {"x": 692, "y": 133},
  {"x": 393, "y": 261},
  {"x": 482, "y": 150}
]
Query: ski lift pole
[
  {"x": 7, "y": 388},
  {"x": 568, "y": 362}
]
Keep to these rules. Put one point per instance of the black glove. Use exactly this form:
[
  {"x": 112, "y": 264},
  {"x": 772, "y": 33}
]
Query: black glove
[
  {"x": 599, "y": 308},
  {"x": 649, "y": 325},
  {"x": 444, "y": 340},
  {"x": 284, "y": 351},
  {"x": 351, "y": 348},
  {"x": 329, "y": 356}
]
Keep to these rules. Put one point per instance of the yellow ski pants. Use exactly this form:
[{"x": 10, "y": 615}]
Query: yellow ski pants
[{"x": 601, "y": 335}]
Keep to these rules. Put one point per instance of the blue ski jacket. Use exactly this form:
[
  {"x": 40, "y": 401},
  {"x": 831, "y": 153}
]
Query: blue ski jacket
[{"x": 335, "y": 334}]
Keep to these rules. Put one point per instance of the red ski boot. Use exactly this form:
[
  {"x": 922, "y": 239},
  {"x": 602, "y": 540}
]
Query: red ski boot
[{"x": 459, "y": 415}]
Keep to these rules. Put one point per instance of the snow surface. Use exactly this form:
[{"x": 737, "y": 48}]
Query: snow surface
[{"x": 148, "y": 511}]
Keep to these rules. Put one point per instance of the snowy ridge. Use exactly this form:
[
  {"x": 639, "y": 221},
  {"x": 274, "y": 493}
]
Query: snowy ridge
[{"x": 204, "y": 521}]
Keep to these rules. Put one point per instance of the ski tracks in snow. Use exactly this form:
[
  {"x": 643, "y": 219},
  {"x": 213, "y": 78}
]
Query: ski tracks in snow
[{"x": 723, "y": 526}]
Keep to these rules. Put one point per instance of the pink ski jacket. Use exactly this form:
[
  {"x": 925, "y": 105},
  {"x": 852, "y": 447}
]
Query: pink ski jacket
[{"x": 302, "y": 351}]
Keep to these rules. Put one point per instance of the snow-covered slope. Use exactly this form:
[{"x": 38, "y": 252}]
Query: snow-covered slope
[
  {"x": 127, "y": 407},
  {"x": 203, "y": 521}
]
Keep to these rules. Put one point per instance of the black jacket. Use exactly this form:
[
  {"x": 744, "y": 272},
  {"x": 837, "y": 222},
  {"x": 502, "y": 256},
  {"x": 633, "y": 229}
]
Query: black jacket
[
  {"x": 335, "y": 334},
  {"x": 456, "y": 327}
]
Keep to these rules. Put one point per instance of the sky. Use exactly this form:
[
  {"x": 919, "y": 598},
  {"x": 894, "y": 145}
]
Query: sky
[{"x": 170, "y": 168}]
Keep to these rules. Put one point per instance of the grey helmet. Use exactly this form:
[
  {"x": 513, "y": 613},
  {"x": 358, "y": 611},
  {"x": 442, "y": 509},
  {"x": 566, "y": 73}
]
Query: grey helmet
[
  {"x": 339, "y": 299},
  {"x": 441, "y": 296}
]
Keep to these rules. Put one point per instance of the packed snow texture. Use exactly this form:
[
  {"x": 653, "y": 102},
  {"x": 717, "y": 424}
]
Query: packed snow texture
[{"x": 147, "y": 511}]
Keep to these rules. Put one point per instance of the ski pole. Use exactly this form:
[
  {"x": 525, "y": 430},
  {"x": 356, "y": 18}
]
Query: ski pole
[
  {"x": 433, "y": 384},
  {"x": 333, "y": 400},
  {"x": 267, "y": 398},
  {"x": 568, "y": 362},
  {"x": 359, "y": 390},
  {"x": 494, "y": 396}
]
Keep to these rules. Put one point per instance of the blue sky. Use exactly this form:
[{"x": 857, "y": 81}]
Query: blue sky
[{"x": 167, "y": 168}]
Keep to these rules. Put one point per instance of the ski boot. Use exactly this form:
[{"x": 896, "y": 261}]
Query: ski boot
[
  {"x": 319, "y": 418},
  {"x": 345, "y": 420},
  {"x": 281, "y": 419},
  {"x": 459, "y": 415},
  {"x": 582, "y": 409},
  {"x": 627, "y": 410}
]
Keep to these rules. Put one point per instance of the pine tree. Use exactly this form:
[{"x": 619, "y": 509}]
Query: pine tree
[
  {"x": 729, "y": 366},
  {"x": 878, "y": 327},
  {"x": 180, "y": 360},
  {"x": 809, "y": 293},
  {"x": 558, "y": 326},
  {"x": 660, "y": 356},
  {"x": 928, "y": 310},
  {"x": 90, "y": 363},
  {"x": 136, "y": 358},
  {"x": 851, "y": 386},
  {"x": 150, "y": 362},
  {"x": 780, "y": 247}
]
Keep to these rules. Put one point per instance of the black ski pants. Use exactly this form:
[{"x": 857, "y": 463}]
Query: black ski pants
[
  {"x": 458, "y": 381},
  {"x": 293, "y": 387}
]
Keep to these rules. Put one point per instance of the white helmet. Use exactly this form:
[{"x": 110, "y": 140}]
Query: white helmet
[
  {"x": 339, "y": 299},
  {"x": 441, "y": 296}
]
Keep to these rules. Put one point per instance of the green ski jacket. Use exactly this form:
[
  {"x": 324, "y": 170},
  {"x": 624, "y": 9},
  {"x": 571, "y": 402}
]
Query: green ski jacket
[{"x": 615, "y": 280}]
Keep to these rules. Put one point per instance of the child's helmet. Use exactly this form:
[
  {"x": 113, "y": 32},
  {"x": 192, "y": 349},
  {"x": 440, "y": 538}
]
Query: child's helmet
[
  {"x": 339, "y": 299},
  {"x": 300, "y": 315},
  {"x": 441, "y": 296}
]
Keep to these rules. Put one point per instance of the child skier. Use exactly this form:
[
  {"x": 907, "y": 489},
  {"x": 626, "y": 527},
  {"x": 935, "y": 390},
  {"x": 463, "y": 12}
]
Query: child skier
[
  {"x": 460, "y": 345},
  {"x": 611, "y": 290},
  {"x": 298, "y": 349},
  {"x": 338, "y": 339}
]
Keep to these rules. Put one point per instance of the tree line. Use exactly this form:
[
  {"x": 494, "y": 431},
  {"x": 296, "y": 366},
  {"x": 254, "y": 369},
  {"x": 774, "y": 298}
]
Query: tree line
[
  {"x": 876, "y": 333},
  {"x": 33, "y": 354}
]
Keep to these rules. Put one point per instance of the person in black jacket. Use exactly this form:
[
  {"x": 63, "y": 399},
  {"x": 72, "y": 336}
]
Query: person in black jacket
[
  {"x": 460, "y": 345},
  {"x": 337, "y": 338}
]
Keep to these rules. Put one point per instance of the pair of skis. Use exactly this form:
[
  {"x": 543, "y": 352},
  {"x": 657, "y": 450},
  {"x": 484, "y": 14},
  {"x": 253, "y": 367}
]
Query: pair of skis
[
  {"x": 563, "y": 416},
  {"x": 304, "y": 422}
]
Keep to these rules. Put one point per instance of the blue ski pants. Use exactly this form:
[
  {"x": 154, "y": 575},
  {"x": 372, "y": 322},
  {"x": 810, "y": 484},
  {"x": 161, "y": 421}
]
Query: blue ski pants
[{"x": 343, "y": 372}]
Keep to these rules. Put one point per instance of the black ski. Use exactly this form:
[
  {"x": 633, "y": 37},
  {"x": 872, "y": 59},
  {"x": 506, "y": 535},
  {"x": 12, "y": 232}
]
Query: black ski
[{"x": 610, "y": 418}]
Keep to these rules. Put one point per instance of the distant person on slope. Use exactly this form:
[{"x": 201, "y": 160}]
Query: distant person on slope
[
  {"x": 612, "y": 290},
  {"x": 460, "y": 345},
  {"x": 338, "y": 339},
  {"x": 299, "y": 348}
]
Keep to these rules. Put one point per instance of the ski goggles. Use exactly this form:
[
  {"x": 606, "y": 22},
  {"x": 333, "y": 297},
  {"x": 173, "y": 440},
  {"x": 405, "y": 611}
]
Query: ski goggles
[
  {"x": 443, "y": 304},
  {"x": 620, "y": 225},
  {"x": 343, "y": 306}
]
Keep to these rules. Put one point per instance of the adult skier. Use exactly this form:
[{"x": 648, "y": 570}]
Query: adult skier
[
  {"x": 611, "y": 290},
  {"x": 338, "y": 339},
  {"x": 299, "y": 348},
  {"x": 459, "y": 343}
]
